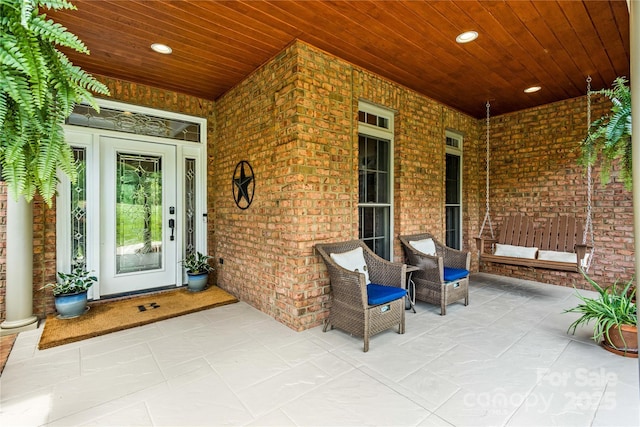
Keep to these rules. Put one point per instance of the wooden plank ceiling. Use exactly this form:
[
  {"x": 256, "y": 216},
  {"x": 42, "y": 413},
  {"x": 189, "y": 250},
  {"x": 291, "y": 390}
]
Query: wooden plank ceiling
[{"x": 216, "y": 44}]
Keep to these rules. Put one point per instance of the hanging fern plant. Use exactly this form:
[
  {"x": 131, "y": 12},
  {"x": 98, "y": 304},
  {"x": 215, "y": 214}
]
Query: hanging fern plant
[
  {"x": 39, "y": 88},
  {"x": 609, "y": 137}
]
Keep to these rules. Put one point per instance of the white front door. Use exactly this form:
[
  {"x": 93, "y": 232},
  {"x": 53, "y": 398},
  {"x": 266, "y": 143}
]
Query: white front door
[{"x": 138, "y": 215}]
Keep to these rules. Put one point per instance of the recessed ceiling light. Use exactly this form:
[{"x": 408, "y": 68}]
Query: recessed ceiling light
[
  {"x": 161, "y": 48},
  {"x": 467, "y": 36},
  {"x": 532, "y": 89}
]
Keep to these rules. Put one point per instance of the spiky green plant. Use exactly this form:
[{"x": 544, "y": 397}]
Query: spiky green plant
[
  {"x": 613, "y": 307},
  {"x": 39, "y": 88},
  {"x": 609, "y": 137}
]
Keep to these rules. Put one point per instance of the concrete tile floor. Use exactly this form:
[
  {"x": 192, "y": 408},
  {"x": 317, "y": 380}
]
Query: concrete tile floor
[{"x": 505, "y": 360}]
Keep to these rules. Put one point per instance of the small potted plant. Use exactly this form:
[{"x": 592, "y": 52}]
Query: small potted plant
[
  {"x": 70, "y": 292},
  {"x": 198, "y": 269},
  {"x": 615, "y": 315}
]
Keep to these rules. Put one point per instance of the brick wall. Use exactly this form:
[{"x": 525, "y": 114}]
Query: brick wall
[
  {"x": 534, "y": 171},
  {"x": 295, "y": 121},
  {"x": 294, "y": 129}
]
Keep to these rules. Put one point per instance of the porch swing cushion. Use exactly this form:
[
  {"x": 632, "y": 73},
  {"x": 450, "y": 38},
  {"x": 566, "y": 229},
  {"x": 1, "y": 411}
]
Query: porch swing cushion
[
  {"x": 557, "y": 256},
  {"x": 516, "y": 251},
  {"x": 562, "y": 257}
]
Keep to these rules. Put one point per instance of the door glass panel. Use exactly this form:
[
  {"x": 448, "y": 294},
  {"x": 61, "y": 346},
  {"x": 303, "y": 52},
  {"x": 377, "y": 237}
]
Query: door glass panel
[
  {"x": 79, "y": 211},
  {"x": 138, "y": 213},
  {"x": 190, "y": 206}
]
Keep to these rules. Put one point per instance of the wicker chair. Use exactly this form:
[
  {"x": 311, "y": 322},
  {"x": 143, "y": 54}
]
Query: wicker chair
[
  {"x": 441, "y": 279},
  {"x": 350, "y": 308}
]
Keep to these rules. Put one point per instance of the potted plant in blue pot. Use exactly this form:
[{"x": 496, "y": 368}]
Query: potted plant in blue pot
[
  {"x": 70, "y": 292},
  {"x": 198, "y": 269}
]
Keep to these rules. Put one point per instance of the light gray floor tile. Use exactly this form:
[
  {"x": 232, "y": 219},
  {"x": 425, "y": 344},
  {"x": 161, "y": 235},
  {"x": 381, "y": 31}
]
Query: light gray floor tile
[{"x": 504, "y": 360}]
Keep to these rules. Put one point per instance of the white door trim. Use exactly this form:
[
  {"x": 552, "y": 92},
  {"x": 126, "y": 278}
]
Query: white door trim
[{"x": 89, "y": 139}]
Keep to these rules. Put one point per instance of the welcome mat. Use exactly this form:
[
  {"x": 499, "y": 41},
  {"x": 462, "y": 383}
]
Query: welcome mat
[{"x": 110, "y": 316}]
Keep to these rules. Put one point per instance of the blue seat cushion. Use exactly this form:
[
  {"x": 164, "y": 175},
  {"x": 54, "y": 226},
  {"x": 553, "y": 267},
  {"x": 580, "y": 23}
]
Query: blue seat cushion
[
  {"x": 451, "y": 274},
  {"x": 381, "y": 294}
]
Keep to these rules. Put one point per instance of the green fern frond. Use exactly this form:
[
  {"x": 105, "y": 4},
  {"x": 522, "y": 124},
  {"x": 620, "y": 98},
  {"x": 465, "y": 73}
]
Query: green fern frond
[
  {"x": 80, "y": 77},
  {"x": 4, "y": 109},
  {"x": 68, "y": 163},
  {"x": 609, "y": 137},
  {"x": 57, "y": 4},
  {"x": 11, "y": 4},
  {"x": 10, "y": 54},
  {"x": 14, "y": 176},
  {"x": 36, "y": 68},
  {"x": 14, "y": 153},
  {"x": 28, "y": 7},
  {"x": 14, "y": 165},
  {"x": 16, "y": 87},
  {"x": 54, "y": 154},
  {"x": 39, "y": 87},
  {"x": 57, "y": 34},
  {"x": 50, "y": 146}
]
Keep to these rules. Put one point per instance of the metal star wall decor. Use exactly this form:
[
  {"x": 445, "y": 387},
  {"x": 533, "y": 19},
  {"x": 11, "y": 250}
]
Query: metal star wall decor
[{"x": 244, "y": 184}]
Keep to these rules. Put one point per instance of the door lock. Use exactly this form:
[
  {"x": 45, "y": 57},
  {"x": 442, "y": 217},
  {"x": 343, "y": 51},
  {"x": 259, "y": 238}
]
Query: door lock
[{"x": 172, "y": 226}]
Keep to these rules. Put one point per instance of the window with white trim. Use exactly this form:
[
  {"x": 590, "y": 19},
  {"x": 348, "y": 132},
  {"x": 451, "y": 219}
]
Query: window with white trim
[
  {"x": 375, "y": 176},
  {"x": 453, "y": 190}
]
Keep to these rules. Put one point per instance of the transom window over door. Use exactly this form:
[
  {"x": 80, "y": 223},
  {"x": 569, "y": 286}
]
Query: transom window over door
[{"x": 375, "y": 171}]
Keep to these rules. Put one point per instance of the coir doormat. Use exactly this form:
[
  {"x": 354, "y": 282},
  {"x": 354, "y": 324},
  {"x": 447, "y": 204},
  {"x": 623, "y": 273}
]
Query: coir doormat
[{"x": 110, "y": 316}]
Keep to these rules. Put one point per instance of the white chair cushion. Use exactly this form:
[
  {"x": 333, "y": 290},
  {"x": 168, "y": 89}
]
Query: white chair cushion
[
  {"x": 353, "y": 261},
  {"x": 558, "y": 256},
  {"x": 426, "y": 246},
  {"x": 515, "y": 251}
]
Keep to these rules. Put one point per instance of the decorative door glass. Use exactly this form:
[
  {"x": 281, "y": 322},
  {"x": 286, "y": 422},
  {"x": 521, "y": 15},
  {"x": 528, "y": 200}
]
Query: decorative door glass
[
  {"x": 79, "y": 211},
  {"x": 190, "y": 206},
  {"x": 138, "y": 213}
]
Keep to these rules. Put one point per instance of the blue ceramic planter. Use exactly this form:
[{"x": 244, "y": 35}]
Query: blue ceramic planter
[
  {"x": 72, "y": 305},
  {"x": 197, "y": 282}
]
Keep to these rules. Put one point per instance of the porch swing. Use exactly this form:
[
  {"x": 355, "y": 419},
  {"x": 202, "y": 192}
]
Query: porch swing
[{"x": 558, "y": 244}]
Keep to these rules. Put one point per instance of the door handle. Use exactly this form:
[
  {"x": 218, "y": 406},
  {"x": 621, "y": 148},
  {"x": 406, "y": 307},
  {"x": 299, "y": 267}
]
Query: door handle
[{"x": 172, "y": 226}]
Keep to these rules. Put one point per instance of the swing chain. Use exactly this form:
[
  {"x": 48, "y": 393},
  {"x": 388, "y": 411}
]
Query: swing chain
[
  {"x": 487, "y": 215},
  {"x": 588, "y": 229}
]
